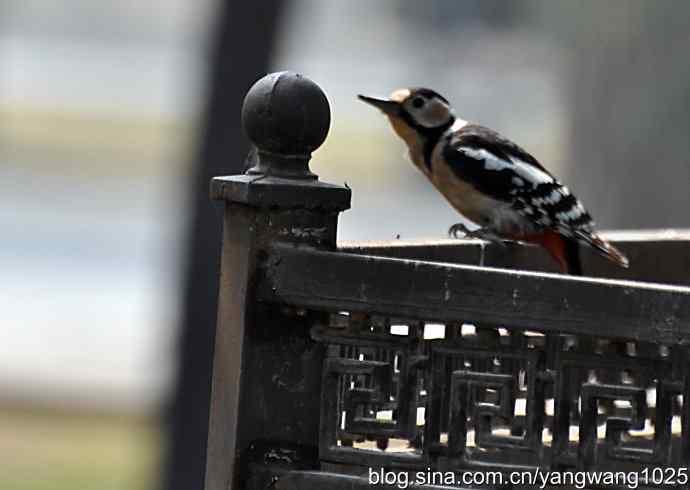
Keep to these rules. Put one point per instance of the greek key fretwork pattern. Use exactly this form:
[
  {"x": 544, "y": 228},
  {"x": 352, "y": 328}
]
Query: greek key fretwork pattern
[
  {"x": 616, "y": 424},
  {"x": 414, "y": 394},
  {"x": 484, "y": 403}
]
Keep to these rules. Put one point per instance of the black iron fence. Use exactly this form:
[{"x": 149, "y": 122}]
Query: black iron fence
[{"x": 332, "y": 362}]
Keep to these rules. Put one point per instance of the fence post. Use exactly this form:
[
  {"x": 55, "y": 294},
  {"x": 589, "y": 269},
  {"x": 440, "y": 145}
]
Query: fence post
[{"x": 266, "y": 377}]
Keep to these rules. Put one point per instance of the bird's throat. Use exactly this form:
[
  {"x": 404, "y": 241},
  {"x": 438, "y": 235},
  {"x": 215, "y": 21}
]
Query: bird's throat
[{"x": 404, "y": 131}]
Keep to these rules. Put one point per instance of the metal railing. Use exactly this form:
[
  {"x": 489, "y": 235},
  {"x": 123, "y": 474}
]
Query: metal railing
[{"x": 333, "y": 360}]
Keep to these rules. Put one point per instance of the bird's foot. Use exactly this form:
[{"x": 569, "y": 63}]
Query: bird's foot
[{"x": 459, "y": 230}]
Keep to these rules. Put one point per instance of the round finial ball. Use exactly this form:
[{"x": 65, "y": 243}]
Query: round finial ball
[{"x": 286, "y": 113}]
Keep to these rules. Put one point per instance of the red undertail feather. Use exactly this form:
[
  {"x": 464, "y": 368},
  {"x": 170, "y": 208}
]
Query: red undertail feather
[{"x": 563, "y": 249}]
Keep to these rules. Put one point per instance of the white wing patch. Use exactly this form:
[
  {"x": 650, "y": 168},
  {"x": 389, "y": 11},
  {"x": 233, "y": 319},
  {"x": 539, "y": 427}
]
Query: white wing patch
[
  {"x": 491, "y": 161},
  {"x": 531, "y": 173},
  {"x": 527, "y": 172}
]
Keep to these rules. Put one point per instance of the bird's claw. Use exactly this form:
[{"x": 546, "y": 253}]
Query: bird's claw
[
  {"x": 480, "y": 233},
  {"x": 459, "y": 230}
]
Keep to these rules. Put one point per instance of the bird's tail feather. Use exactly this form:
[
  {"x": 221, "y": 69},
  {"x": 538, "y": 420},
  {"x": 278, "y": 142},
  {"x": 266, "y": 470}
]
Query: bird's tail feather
[{"x": 604, "y": 248}]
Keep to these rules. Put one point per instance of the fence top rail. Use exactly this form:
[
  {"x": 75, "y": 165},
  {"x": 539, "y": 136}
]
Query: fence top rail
[
  {"x": 617, "y": 236},
  {"x": 656, "y": 255},
  {"x": 442, "y": 292}
]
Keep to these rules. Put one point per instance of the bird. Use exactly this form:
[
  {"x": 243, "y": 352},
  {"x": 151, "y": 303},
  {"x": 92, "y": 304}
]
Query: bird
[{"x": 492, "y": 181}]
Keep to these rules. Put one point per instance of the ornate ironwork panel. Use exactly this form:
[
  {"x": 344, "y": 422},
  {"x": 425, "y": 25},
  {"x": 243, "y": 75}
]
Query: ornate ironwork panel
[{"x": 408, "y": 394}]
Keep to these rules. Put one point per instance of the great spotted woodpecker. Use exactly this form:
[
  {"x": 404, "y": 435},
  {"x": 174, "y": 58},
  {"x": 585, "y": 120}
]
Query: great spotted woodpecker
[{"x": 491, "y": 180}]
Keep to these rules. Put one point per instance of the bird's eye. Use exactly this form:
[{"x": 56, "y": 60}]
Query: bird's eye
[{"x": 417, "y": 102}]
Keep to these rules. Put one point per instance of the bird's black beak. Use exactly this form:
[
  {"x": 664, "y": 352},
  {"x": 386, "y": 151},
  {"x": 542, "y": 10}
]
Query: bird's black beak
[{"x": 384, "y": 105}]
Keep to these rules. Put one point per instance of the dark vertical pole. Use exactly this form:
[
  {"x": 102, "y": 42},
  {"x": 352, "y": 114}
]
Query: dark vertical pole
[
  {"x": 240, "y": 52},
  {"x": 266, "y": 369}
]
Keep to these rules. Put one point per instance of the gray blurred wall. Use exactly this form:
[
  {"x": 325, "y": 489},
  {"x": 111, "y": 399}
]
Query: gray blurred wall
[{"x": 628, "y": 91}]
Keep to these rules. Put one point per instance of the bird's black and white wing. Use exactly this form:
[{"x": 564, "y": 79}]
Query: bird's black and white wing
[{"x": 502, "y": 170}]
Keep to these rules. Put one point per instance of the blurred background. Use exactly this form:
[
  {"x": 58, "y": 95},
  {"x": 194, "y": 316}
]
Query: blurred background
[{"x": 114, "y": 114}]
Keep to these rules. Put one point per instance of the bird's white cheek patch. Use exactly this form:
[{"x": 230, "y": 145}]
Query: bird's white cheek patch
[{"x": 433, "y": 114}]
